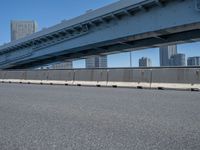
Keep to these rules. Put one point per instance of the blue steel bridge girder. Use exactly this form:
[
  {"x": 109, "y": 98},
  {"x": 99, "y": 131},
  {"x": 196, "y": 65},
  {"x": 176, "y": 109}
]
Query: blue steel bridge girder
[
  {"x": 102, "y": 19},
  {"x": 122, "y": 25}
]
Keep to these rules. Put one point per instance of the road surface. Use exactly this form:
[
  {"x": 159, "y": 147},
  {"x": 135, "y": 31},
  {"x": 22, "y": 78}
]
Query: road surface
[{"x": 42, "y": 117}]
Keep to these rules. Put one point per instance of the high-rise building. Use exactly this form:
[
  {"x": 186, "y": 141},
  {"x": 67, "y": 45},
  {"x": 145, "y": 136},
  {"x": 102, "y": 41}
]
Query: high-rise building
[
  {"x": 20, "y": 29},
  {"x": 177, "y": 60},
  {"x": 145, "y": 62},
  {"x": 193, "y": 61},
  {"x": 96, "y": 62},
  {"x": 165, "y": 54},
  {"x": 63, "y": 65}
]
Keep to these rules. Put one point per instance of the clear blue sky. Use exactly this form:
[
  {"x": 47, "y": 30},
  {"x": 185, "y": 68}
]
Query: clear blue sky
[{"x": 51, "y": 12}]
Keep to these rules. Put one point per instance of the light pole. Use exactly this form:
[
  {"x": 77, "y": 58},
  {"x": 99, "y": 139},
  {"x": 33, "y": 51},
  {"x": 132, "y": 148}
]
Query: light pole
[{"x": 130, "y": 58}]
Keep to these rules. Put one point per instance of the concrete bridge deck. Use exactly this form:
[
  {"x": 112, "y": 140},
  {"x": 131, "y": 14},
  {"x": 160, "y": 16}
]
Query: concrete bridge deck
[{"x": 66, "y": 118}]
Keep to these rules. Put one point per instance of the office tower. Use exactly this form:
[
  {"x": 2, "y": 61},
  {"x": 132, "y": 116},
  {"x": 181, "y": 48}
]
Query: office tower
[
  {"x": 165, "y": 54},
  {"x": 63, "y": 65},
  {"x": 145, "y": 62},
  {"x": 177, "y": 60},
  {"x": 96, "y": 62},
  {"x": 20, "y": 29},
  {"x": 193, "y": 61}
]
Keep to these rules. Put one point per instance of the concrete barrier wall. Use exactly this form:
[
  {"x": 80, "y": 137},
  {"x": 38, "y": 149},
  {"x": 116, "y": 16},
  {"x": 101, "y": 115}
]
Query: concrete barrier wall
[
  {"x": 120, "y": 75},
  {"x": 141, "y": 75},
  {"x": 61, "y": 75},
  {"x": 2, "y": 74},
  {"x": 143, "y": 78},
  {"x": 100, "y": 75},
  {"x": 91, "y": 77},
  {"x": 13, "y": 75},
  {"x": 84, "y": 75},
  {"x": 175, "y": 75},
  {"x": 173, "y": 78},
  {"x": 37, "y": 75},
  {"x": 129, "y": 78}
]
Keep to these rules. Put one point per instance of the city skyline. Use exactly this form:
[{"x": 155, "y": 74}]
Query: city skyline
[{"x": 56, "y": 15}]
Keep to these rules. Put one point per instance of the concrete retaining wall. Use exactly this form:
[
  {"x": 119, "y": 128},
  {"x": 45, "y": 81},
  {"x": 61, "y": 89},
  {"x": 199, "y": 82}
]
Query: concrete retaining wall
[{"x": 159, "y": 78}]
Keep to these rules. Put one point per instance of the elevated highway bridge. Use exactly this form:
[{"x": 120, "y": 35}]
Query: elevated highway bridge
[{"x": 118, "y": 27}]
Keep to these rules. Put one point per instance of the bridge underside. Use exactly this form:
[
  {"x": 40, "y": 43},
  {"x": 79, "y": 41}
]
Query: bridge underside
[
  {"x": 147, "y": 24},
  {"x": 114, "y": 48}
]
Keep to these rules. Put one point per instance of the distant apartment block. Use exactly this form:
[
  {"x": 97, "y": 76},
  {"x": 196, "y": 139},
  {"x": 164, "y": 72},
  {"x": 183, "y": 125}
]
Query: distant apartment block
[
  {"x": 63, "y": 65},
  {"x": 96, "y": 62},
  {"x": 20, "y": 29},
  {"x": 145, "y": 62},
  {"x": 178, "y": 60},
  {"x": 193, "y": 61},
  {"x": 165, "y": 54}
]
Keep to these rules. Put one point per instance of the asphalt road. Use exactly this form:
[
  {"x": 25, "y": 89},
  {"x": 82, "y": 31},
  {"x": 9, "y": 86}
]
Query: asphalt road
[{"x": 39, "y": 117}]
